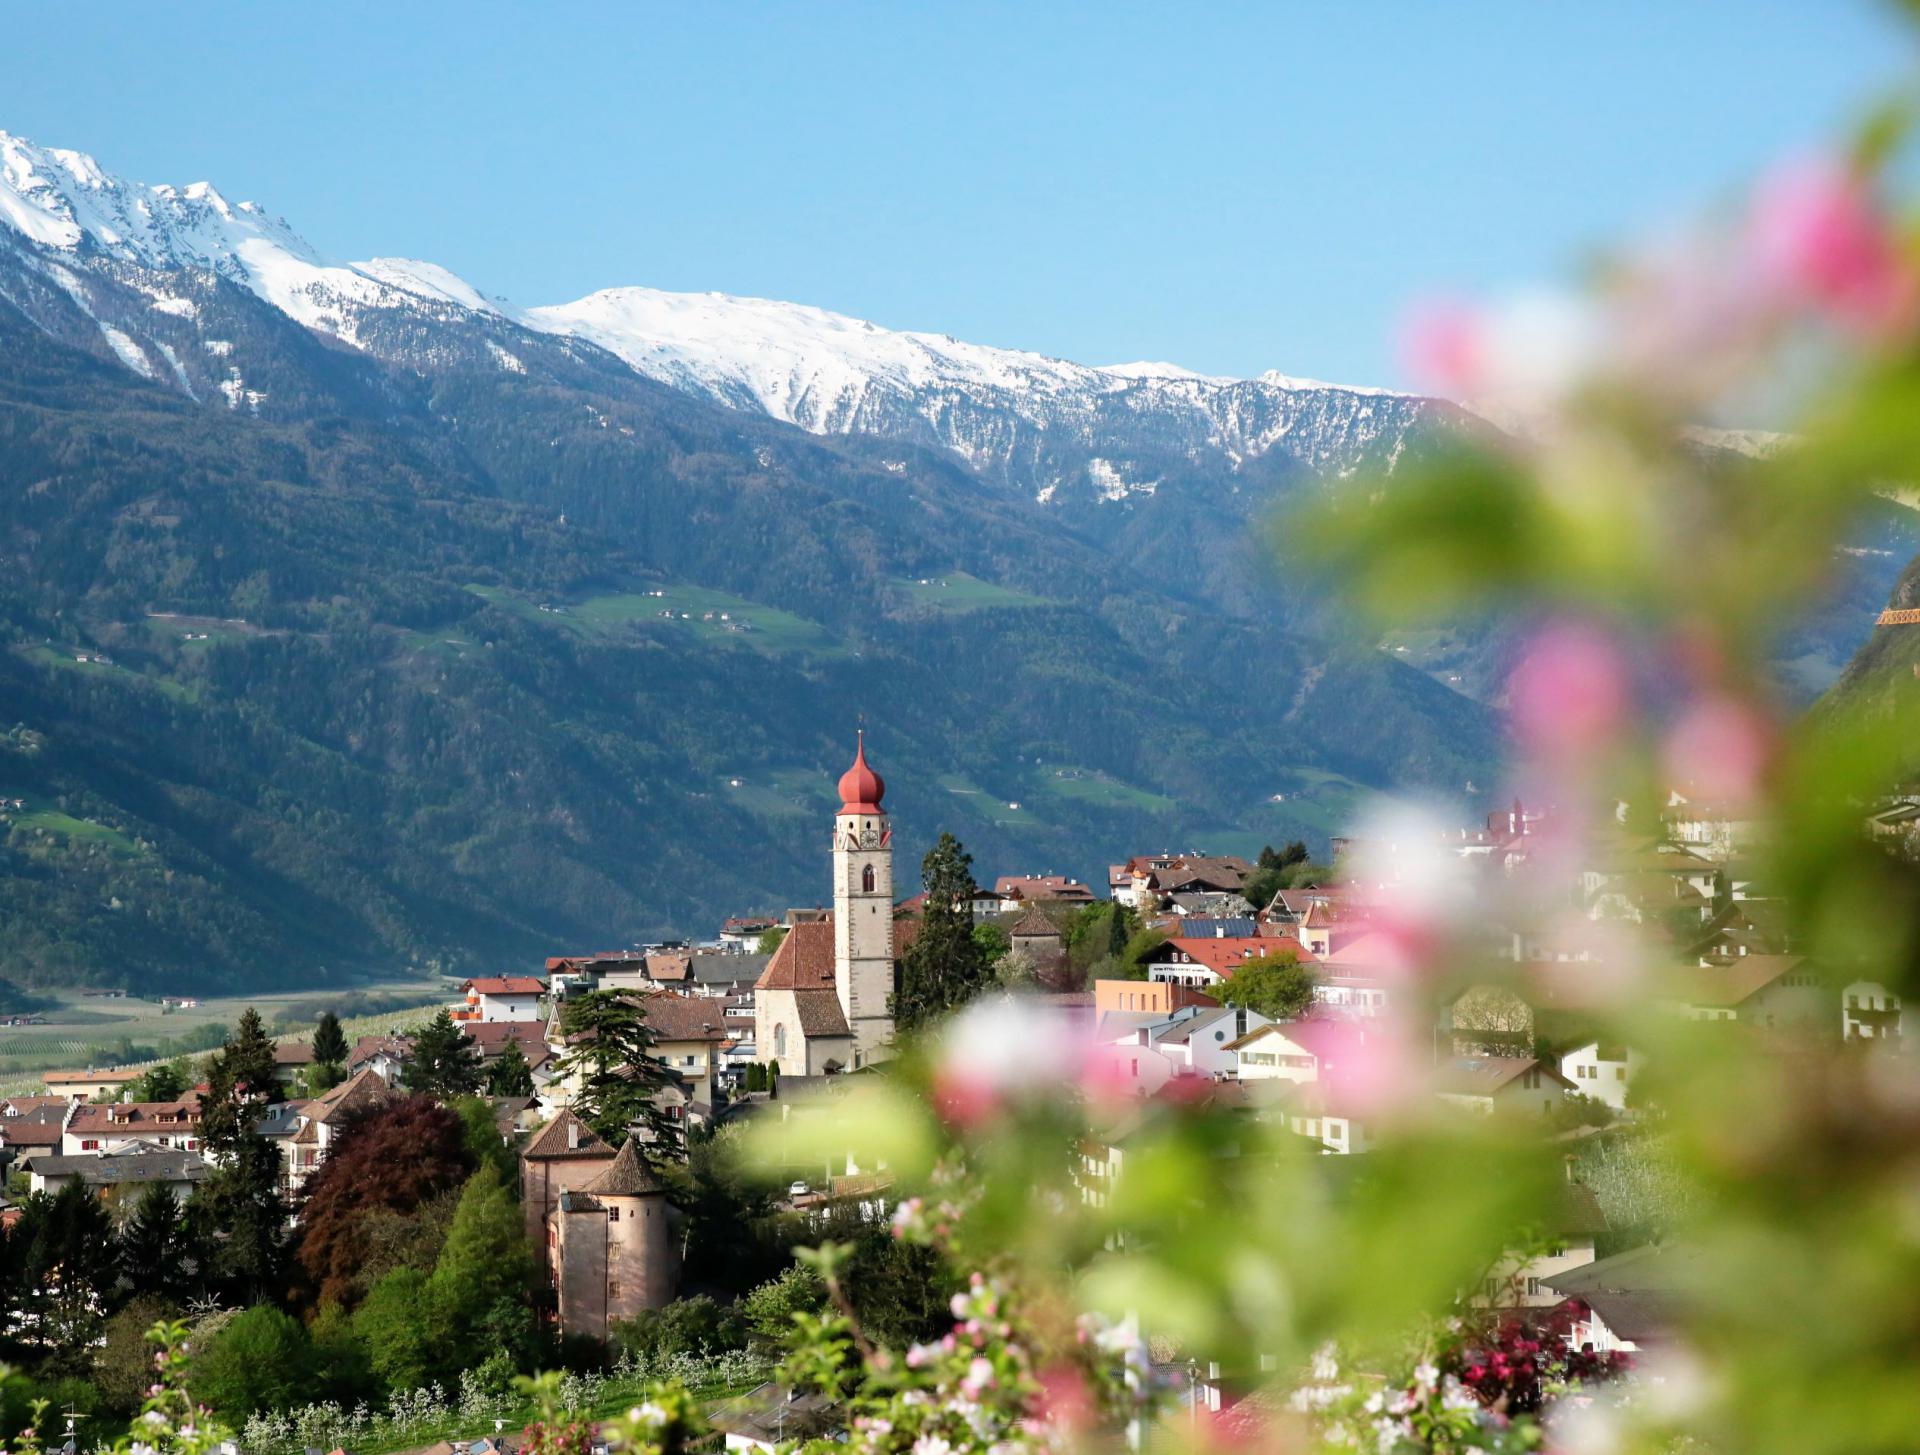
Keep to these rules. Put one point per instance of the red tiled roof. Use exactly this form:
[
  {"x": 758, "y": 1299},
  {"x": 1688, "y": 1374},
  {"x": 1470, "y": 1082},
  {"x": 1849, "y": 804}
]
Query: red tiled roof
[
  {"x": 507, "y": 985},
  {"x": 1224, "y": 956},
  {"x": 675, "y": 1017},
  {"x": 551, "y": 1140},
  {"x": 133, "y": 1115}
]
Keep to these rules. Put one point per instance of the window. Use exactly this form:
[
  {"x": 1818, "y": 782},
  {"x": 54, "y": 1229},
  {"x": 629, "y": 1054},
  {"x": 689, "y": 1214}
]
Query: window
[
  {"x": 779, "y": 1041},
  {"x": 91, "y": 1144},
  {"x": 613, "y": 1214},
  {"x": 1619, "y": 1073},
  {"x": 866, "y": 879},
  {"x": 613, "y": 1288},
  {"x": 1533, "y": 1287}
]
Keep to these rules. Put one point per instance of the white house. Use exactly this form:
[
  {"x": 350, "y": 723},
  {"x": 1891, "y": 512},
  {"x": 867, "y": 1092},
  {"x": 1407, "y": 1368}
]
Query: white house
[
  {"x": 163, "y": 1125},
  {"x": 501, "y": 998},
  {"x": 1870, "y": 1012},
  {"x": 1199, "y": 1042},
  {"x": 1302, "y": 1050},
  {"x": 1507, "y": 1084},
  {"x": 1602, "y": 1070},
  {"x": 1326, "y": 1112},
  {"x": 1524, "y": 1279}
]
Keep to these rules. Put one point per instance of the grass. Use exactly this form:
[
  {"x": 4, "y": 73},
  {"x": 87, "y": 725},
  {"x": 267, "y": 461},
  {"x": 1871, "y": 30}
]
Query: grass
[
  {"x": 957, "y": 592},
  {"x": 707, "y": 616},
  {"x": 68, "y": 661},
  {"x": 1100, "y": 791},
  {"x": 84, "y": 1030},
  {"x": 40, "y": 816}
]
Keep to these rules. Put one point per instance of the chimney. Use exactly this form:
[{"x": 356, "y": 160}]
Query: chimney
[{"x": 573, "y": 1136}]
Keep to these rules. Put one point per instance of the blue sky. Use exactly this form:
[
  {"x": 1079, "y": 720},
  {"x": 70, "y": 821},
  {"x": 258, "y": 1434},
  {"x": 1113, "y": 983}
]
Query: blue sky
[{"x": 1230, "y": 187}]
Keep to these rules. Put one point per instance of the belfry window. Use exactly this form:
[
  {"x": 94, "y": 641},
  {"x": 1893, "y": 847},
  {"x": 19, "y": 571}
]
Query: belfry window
[{"x": 866, "y": 879}]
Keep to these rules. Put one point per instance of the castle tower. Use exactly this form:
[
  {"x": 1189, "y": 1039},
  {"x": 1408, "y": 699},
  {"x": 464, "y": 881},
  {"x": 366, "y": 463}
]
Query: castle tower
[{"x": 863, "y": 910}]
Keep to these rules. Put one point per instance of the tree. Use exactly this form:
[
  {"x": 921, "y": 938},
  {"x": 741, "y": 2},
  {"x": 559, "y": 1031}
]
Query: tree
[
  {"x": 443, "y": 1061},
  {"x": 773, "y": 1077},
  {"x": 1490, "y": 1020},
  {"x": 944, "y": 967},
  {"x": 392, "y": 1160},
  {"x": 399, "y": 1327},
  {"x": 155, "y": 1256},
  {"x": 485, "y": 1271},
  {"x": 241, "y": 1079},
  {"x": 770, "y": 939},
  {"x": 771, "y": 1306},
  {"x": 757, "y": 1076},
  {"x": 169, "y": 1081},
  {"x": 511, "y": 1075},
  {"x": 263, "y": 1360},
  {"x": 330, "y": 1043},
  {"x": 1276, "y": 986},
  {"x": 610, "y": 1050},
  {"x": 485, "y": 1143},
  {"x": 239, "y": 1216}
]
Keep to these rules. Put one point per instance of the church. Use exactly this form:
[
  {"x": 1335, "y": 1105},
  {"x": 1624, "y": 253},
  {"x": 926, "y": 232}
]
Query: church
[{"x": 824, "y": 1003}]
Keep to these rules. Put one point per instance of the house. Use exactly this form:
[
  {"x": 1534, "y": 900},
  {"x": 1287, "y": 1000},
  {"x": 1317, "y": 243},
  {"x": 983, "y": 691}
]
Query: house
[
  {"x": 1329, "y": 1111},
  {"x": 86, "y": 1085},
  {"x": 1570, "y": 1226},
  {"x": 825, "y": 1000},
  {"x": 1713, "y": 830},
  {"x": 611, "y": 1249},
  {"x": 1158, "y": 998},
  {"x": 383, "y": 1054},
  {"x": 1014, "y": 892},
  {"x": 38, "y": 1130},
  {"x": 689, "y": 1037},
  {"x": 1038, "y": 938},
  {"x": 128, "y": 1170},
  {"x": 1603, "y": 1070},
  {"x": 1302, "y": 1050},
  {"x": 501, "y": 998},
  {"x": 725, "y": 975},
  {"x": 172, "y": 1125},
  {"x": 1631, "y": 1301},
  {"x": 1869, "y": 1011},
  {"x": 1197, "y": 1041},
  {"x": 670, "y": 969},
  {"x": 1777, "y": 991},
  {"x": 1145, "y": 879},
  {"x": 1510, "y": 1085},
  {"x": 290, "y": 1060},
  {"x": 773, "y": 1417},
  {"x": 491, "y": 1039},
  {"x": 742, "y": 933},
  {"x": 1200, "y": 962},
  {"x": 562, "y": 1155},
  {"x": 323, "y": 1119}
]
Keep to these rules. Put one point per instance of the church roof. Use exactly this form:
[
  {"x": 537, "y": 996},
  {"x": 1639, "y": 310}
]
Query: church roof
[
  {"x": 626, "y": 1176},
  {"x": 861, "y": 789},
  {"x": 820, "y": 1014},
  {"x": 804, "y": 960}
]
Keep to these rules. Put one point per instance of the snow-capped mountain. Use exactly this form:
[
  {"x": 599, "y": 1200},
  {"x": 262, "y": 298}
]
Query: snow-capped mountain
[
  {"x": 1042, "y": 422},
  {"x": 1064, "y": 433}
]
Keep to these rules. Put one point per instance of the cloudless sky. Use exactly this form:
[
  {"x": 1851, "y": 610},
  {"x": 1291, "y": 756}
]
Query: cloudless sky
[{"x": 1233, "y": 187}]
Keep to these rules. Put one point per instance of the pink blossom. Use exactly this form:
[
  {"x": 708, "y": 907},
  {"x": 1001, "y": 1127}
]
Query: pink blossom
[
  {"x": 1568, "y": 697},
  {"x": 1819, "y": 237},
  {"x": 1718, "y": 749},
  {"x": 1443, "y": 347}
]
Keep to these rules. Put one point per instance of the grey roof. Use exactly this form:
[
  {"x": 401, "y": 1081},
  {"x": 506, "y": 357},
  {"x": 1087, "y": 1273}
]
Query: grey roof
[
  {"x": 726, "y": 969},
  {"x": 174, "y": 1166},
  {"x": 1217, "y": 927},
  {"x": 772, "y": 1415}
]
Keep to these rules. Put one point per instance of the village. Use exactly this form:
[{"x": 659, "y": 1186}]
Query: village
[{"x": 1262, "y": 988}]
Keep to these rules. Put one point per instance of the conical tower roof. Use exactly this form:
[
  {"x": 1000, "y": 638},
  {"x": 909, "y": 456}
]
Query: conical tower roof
[{"x": 628, "y": 1176}]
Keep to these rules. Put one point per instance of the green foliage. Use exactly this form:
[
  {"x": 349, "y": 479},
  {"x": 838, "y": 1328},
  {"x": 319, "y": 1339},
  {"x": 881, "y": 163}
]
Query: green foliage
[
  {"x": 694, "y": 1325},
  {"x": 510, "y": 1075},
  {"x": 945, "y": 966},
  {"x": 993, "y": 940},
  {"x": 168, "y": 1081},
  {"x": 238, "y": 1217},
  {"x": 157, "y": 1260},
  {"x": 485, "y": 1145},
  {"x": 480, "y": 1286},
  {"x": 1276, "y": 986},
  {"x": 771, "y": 1308},
  {"x": 620, "y": 1077},
  {"x": 261, "y": 1360},
  {"x": 442, "y": 1060},
  {"x": 770, "y": 939},
  {"x": 330, "y": 1046},
  {"x": 398, "y": 1325}
]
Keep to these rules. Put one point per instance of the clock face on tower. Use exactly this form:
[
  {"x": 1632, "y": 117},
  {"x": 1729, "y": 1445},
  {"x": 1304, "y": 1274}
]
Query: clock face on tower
[{"x": 870, "y": 834}]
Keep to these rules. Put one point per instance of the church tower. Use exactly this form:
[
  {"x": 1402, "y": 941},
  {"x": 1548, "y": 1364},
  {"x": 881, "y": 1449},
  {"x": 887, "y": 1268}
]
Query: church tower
[{"x": 863, "y": 910}]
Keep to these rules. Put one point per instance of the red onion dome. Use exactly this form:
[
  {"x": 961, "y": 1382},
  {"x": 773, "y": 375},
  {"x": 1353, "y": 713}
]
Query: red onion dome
[{"x": 860, "y": 787}]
